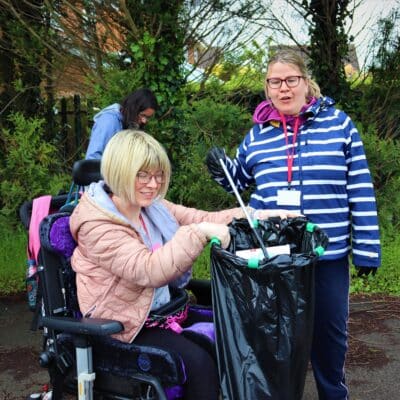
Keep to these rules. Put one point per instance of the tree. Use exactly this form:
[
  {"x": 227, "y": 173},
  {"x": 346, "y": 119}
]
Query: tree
[
  {"x": 153, "y": 46},
  {"x": 329, "y": 46},
  {"x": 329, "y": 41},
  {"x": 381, "y": 100},
  {"x": 130, "y": 43},
  {"x": 21, "y": 56},
  {"x": 109, "y": 48}
]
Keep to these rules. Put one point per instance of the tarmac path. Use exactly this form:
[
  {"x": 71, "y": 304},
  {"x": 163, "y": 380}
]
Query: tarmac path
[{"x": 372, "y": 371}]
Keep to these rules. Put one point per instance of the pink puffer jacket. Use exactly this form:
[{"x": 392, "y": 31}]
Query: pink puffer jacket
[{"x": 117, "y": 274}]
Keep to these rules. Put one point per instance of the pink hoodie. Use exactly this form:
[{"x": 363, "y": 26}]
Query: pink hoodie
[{"x": 266, "y": 112}]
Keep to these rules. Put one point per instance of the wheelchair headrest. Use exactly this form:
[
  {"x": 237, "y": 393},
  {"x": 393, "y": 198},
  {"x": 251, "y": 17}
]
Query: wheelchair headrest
[
  {"x": 55, "y": 235},
  {"x": 84, "y": 172}
]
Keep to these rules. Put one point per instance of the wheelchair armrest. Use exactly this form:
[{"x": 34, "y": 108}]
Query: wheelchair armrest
[
  {"x": 201, "y": 288},
  {"x": 83, "y": 326}
]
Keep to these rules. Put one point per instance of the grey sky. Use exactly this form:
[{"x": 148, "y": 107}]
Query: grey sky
[
  {"x": 365, "y": 19},
  {"x": 364, "y": 24}
]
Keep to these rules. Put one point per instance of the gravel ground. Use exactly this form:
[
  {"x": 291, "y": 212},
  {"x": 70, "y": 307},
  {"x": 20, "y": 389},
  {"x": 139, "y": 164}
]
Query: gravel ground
[{"x": 373, "y": 363}]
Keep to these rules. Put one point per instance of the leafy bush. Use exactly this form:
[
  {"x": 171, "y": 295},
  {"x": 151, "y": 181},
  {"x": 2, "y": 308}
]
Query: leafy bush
[
  {"x": 378, "y": 91},
  {"x": 117, "y": 84},
  {"x": 12, "y": 258},
  {"x": 29, "y": 165},
  {"x": 387, "y": 279},
  {"x": 201, "y": 268},
  {"x": 206, "y": 123},
  {"x": 379, "y": 106},
  {"x": 244, "y": 68},
  {"x": 384, "y": 163}
]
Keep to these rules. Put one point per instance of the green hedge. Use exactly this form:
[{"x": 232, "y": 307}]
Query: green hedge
[{"x": 30, "y": 167}]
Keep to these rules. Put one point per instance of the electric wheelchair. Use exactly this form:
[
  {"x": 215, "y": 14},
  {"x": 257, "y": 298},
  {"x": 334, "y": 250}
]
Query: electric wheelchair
[{"x": 79, "y": 353}]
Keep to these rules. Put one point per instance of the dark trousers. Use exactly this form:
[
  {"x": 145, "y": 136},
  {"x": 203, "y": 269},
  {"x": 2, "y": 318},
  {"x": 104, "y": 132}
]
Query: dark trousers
[
  {"x": 329, "y": 345},
  {"x": 202, "y": 381}
]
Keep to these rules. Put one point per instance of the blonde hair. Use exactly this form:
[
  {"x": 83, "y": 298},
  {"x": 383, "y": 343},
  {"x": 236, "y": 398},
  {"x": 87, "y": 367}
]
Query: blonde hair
[
  {"x": 287, "y": 56},
  {"x": 128, "y": 152}
]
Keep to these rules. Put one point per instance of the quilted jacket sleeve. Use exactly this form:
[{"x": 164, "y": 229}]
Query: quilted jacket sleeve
[
  {"x": 120, "y": 250},
  {"x": 185, "y": 215}
]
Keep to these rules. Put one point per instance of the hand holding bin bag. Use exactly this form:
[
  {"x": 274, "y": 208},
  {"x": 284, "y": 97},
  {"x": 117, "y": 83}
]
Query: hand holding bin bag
[{"x": 263, "y": 307}]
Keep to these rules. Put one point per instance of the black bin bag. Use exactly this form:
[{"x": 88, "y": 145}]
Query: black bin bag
[{"x": 263, "y": 309}]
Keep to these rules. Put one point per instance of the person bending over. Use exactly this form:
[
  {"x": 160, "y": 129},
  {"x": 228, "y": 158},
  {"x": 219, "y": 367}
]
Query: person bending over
[{"x": 133, "y": 112}]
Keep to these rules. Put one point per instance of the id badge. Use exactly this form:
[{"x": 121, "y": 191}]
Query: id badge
[{"x": 288, "y": 197}]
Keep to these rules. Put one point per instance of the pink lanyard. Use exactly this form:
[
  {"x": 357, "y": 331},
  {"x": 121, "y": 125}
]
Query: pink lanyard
[
  {"x": 290, "y": 154},
  {"x": 144, "y": 225}
]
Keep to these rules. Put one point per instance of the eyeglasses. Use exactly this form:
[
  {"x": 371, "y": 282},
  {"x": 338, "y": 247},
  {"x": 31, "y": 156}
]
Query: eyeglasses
[
  {"x": 144, "y": 117},
  {"x": 145, "y": 177},
  {"x": 291, "y": 81}
]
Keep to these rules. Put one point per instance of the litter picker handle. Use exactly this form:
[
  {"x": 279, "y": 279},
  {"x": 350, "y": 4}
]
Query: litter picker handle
[{"x": 239, "y": 199}]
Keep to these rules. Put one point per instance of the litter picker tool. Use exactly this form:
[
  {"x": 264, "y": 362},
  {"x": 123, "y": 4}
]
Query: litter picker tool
[{"x": 253, "y": 223}]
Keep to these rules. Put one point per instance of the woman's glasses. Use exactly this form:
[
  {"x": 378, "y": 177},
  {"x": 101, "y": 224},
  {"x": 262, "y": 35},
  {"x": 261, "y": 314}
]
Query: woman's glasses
[
  {"x": 291, "y": 81},
  {"x": 143, "y": 117},
  {"x": 145, "y": 177}
]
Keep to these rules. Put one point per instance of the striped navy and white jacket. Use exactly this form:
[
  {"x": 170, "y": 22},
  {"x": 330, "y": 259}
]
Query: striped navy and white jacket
[{"x": 329, "y": 168}]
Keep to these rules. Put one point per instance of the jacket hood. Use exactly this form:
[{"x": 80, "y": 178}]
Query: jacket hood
[
  {"x": 266, "y": 112},
  {"x": 114, "y": 109},
  {"x": 321, "y": 104},
  {"x": 94, "y": 203}
]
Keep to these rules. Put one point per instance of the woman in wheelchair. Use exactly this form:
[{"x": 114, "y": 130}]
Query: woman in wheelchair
[{"x": 134, "y": 247}]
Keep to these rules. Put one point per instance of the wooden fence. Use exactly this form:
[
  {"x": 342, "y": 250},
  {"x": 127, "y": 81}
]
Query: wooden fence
[{"x": 73, "y": 121}]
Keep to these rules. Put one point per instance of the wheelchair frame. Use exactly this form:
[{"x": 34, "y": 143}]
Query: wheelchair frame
[{"x": 55, "y": 320}]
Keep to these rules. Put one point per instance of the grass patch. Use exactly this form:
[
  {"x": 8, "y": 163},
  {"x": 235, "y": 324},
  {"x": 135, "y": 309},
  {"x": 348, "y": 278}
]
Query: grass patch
[
  {"x": 12, "y": 259},
  {"x": 387, "y": 278},
  {"x": 201, "y": 268}
]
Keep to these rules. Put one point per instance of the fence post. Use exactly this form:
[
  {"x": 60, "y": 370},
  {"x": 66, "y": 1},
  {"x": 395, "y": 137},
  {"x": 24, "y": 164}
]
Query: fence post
[
  {"x": 64, "y": 126},
  {"x": 77, "y": 120}
]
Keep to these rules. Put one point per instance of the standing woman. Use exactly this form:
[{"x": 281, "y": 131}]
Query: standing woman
[
  {"x": 133, "y": 112},
  {"x": 305, "y": 155}
]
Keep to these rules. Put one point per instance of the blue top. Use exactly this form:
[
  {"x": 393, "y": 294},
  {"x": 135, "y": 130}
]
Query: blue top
[
  {"x": 329, "y": 169},
  {"x": 107, "y": 123}
]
